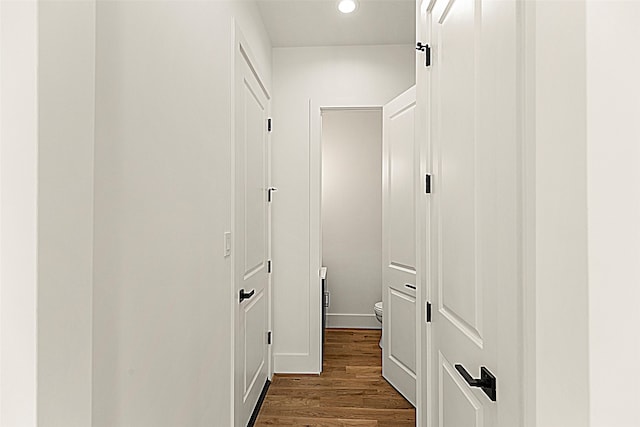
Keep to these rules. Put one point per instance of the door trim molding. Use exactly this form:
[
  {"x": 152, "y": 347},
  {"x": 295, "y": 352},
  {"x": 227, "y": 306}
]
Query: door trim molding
[
  {"x": 423, "y": 166},
  {"x": 526, "y": 23}
]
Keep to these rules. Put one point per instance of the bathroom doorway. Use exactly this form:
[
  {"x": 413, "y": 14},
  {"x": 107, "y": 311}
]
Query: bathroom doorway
[{"x": 351, "y": 215}]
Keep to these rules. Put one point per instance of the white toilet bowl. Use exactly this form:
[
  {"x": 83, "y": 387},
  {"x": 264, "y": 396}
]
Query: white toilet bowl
[{"x": 377, "y": 309}]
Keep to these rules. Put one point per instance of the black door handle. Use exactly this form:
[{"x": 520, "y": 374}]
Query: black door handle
[
  {"x": 244, "y": 295},
  {"x": 487, "y": 381}
]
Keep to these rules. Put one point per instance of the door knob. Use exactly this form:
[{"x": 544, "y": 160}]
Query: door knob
[
  {"x": 487, "y": 381},
  {"x": 244, "y": 295}
]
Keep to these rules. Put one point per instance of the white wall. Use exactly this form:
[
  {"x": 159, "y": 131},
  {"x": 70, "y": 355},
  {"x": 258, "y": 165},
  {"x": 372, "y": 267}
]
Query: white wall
[
  {"x": 47, "y": 220},
  {"x": 328, "y": 76},
  {"x": 18, "y": 212},
  {"x": 352, "y": 215},
  {"x": 587, "y": 208},
  {"x": 613, "y": 154},
  {"x": 66, "y": 101},
  {"x": 163, "y": 295}
]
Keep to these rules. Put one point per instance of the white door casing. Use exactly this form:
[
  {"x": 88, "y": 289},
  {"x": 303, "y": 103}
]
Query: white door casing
[
  {"x": 475, "y": 211},
  {"x": 399, "y": 245},
  {"x": 251, "y": 235},
  {"x": 423, "y": 167}
]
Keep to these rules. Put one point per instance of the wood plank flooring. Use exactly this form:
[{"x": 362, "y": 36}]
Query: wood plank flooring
[{"x": 350, "y": 392}]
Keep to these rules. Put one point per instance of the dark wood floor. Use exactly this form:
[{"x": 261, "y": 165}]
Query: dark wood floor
[{"x": 350, "y": 392}]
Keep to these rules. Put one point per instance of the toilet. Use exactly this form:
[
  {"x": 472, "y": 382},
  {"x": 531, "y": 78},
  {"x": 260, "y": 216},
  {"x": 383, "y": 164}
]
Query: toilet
[{"x": 377, "y": 309}]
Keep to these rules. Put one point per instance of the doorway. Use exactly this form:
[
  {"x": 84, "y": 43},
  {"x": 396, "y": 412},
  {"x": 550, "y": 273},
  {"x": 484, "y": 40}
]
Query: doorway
[
  {"x": 351, "y": 215},
  {"x": 368, "y": 228}
]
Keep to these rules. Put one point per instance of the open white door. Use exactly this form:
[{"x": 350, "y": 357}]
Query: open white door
[
  {"x": 251, "y": 251},
  {"x": 398, "y": 245},
  {"x": 475, "y": 205}
]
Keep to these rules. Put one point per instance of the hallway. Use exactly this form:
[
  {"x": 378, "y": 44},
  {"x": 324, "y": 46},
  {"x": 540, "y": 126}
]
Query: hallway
[
  {"x": 349, "y": 392},
  {"x": 161, "y": 198}
]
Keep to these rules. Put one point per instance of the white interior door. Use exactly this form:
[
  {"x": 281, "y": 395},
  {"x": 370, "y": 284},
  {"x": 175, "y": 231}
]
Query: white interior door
[
  {"x": 474, "y": 272},
  {"x": 251, "y": 240},
  {"x": 399, "y": 247}
]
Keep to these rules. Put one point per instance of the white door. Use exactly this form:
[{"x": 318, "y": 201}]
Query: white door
[
  {"x": 399, "y": 248},
  {"x": 475, "y": 245},
  {"x": 251, "y": 240}
]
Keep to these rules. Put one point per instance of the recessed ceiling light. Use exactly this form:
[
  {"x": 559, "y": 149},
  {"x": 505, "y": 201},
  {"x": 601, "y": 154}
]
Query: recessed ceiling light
[{"x": 347, "y": 6}]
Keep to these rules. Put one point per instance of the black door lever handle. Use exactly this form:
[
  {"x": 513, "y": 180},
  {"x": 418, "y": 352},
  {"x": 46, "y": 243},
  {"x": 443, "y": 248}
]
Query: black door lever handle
[
  {"x": 487, "y": 381},
  {"x": 244, "y": 295}
]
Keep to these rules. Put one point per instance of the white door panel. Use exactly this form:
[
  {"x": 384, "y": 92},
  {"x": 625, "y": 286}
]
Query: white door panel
[
  {"x": 457, "y": 177},
  {"x": 460, "y": 407},
  {"x": 401, "y": 218},
  {"x": 251, "y": 237},
  {"x": 399, "y": 245},
  {"x": 254, "y": 178},
  {"x": 254, "y": 315},
  {"x": 402, "y": 348}
]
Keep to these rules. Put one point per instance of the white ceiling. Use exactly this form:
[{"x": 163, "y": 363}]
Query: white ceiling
[{"x": 318, "y": 23}]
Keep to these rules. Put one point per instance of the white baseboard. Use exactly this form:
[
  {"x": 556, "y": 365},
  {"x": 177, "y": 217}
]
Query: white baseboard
[
  {"x": 348, "y": 320},
  {"x": 293, "y": 363}
]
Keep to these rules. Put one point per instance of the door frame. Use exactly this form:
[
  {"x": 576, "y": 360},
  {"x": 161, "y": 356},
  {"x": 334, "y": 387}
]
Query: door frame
[
  {"x": 422, "y": 156},
  {"x": 526, "y": 58},
  {"x": 315, "y": 233},
  {"x": 536, "y": 295},
  {"x": 240, "y": 43}
]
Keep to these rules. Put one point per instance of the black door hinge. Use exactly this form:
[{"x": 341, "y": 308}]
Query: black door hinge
[
  {"x": 269, "y": 337},
  {"x": 270, "y": 192},
  {"x": 428, "y": 313},
  {"x": 269, "y": 266},
  {"x": 427, "y": 184},
  {"x": 427, "y": 52},
  {"x": 269, "y": 124}
]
